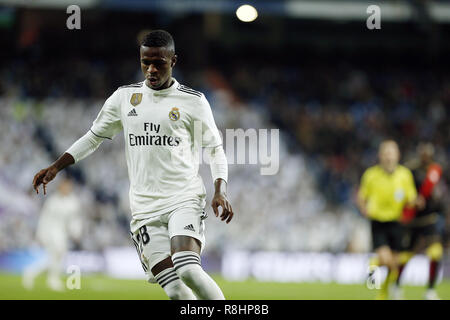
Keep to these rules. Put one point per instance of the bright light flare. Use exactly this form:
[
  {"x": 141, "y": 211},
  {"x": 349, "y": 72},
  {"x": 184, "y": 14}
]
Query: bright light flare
[{"x": 246, "y": 13}]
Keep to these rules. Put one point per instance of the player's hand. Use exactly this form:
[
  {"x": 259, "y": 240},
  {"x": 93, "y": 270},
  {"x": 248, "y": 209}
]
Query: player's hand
[
  {"x": 363, "y": 211},
  {"x": 43, "y": 177},
  {"x": 220, "y": 200}
]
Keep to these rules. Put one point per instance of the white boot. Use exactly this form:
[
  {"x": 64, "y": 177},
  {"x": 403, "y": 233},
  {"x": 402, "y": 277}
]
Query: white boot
[
  {"x": 397, "y": 293},
  {"x": 431, "y": 294},
  {"x": 55, "y": 284},
  {"x": 28, "y": 279}
]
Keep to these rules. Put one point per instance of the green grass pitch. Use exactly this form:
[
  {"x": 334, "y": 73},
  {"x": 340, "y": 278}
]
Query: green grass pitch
[{"x": 105, "y": 288}]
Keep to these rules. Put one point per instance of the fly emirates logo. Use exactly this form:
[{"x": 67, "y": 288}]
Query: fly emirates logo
[{"x": 152, "y": 138}]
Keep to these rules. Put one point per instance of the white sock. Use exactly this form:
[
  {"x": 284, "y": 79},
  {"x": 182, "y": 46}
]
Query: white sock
[
  {"x": 188, "y": 268},
  {"x": 31, "y": 272},
  {"x": 55, "y": 265},
  {"x": 173, "y": 286}
]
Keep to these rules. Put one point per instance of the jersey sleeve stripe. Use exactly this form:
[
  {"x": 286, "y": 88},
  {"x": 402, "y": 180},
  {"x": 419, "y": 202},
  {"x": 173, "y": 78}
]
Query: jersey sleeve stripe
[
  {"x": 189, "y": 89},
  {"x": 133, "y": 85},
  {"x": 189, "y": 92},
  {"x": 98, "y": 135}
]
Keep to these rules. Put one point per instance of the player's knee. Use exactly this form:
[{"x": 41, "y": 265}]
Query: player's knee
[
  {"x": 383, "y": 259},
  {"x": 435, "y": 251},
  {"x": 387, "y": 259}
]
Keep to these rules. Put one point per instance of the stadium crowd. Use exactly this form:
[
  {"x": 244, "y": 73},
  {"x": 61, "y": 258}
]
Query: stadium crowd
[{"x": 331, "y": 121}]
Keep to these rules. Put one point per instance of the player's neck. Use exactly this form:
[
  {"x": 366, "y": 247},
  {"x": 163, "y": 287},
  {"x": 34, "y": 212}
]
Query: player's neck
[
  {"x": 166, "y": 85},
  {"x": 388, "y": 170}
]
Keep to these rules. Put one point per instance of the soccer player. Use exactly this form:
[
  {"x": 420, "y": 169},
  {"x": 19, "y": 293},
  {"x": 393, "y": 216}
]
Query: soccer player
[
  {"x": 425, "y": 225},
  {"x": 59, "y": 221},
  {"x": 385, "y": 190},
  {"x": 164, "y": 125}
]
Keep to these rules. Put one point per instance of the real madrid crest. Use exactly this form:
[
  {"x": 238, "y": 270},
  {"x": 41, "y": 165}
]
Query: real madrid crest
[
  {"x": 136, "y": 98},
  {"x": 174, "y": 114}
]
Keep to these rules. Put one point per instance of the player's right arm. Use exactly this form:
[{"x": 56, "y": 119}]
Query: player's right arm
[
  {"x": 106, "y": 126},
  {"x": 46, "y": 175},
  {"x": 363, "y": 193}
]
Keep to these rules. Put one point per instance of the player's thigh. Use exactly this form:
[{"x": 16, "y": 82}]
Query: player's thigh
[
  {"x": 432, "y": 233},
  {"x": 418, "y": 240},
  {"x": 152, "y": 243},
  {"x": 55, "y": 242},
  {"x": 385, "y": 255},
  {"x": 397, "y": 234},
  {"x": 379, "y": 235},
  {"x": 187, "y": 229}
]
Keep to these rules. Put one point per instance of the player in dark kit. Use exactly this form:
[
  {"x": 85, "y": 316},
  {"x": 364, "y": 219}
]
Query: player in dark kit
[{"x": 425, "y": 224}]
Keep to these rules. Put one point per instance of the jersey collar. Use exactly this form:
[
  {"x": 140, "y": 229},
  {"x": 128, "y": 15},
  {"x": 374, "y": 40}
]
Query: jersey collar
[{"x": 174, "y": 86}]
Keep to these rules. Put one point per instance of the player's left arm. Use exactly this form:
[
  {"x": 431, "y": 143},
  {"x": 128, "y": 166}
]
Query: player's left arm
[
  {"x": 412, "y": 199},
  {"x": 219, "y": 172},
  {"x": 363, "y": 194},
  {"x": 211, "y": 140}
]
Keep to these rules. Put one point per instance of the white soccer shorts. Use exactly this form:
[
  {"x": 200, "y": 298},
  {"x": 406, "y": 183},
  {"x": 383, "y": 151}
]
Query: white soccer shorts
[{"x": 152, "y": 240}]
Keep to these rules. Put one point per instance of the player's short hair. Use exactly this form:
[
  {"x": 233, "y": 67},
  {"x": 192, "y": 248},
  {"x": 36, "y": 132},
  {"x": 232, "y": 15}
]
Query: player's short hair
[
  {"x": 426, "y": 147},
  {"x": 388, "y": 142},
  {"x": 158, "y": 38}
]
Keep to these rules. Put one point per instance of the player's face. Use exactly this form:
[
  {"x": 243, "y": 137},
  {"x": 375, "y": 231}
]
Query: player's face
[
  {"x": 389, "y": 155},
  {"x": 65, "y": 187},
  {"x": 426, "y": 152},
  {"x": 157, "y": 64}
]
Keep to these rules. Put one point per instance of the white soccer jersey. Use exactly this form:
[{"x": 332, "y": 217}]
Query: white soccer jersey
[{"x": 163, "y": 131}]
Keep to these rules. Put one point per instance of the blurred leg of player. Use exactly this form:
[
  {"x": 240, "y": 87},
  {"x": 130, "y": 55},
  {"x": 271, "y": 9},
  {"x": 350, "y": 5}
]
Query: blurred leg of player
[
  {"x": 403, "y": 259},
  {"x": 152, "y": 243},
  {"x": 434, "y": 235},
  {"x": 55, "y": 245},
  {"x": 52, "y": 265},
  {"x": 387, "y": 258},
  {"x": 406, "y": 252},
  {"x": 56, "y": 260},
  {"x": 434, "y": 253},
  {"x": 169, "y": 247},
  {"x": 186, "y": 230},
  {"x": 387, "y": 242},
  {"x": 32, "y": 272},
  {"x": 425, "y": 238}
]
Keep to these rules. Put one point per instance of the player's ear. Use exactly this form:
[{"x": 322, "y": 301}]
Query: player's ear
[{"x": 174, "y": 60}]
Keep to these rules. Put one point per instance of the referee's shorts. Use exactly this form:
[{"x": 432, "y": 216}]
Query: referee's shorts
[{"x": 391, "y": 234}]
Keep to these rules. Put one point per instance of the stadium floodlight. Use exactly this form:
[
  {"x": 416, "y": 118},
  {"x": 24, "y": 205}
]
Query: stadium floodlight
[{"x": 246, "y": 13}]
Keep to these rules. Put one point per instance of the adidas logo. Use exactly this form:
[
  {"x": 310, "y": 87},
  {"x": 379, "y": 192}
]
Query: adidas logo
[
  {"x": 189, "y": 227},
  {"x": 132, "y": 113}
]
